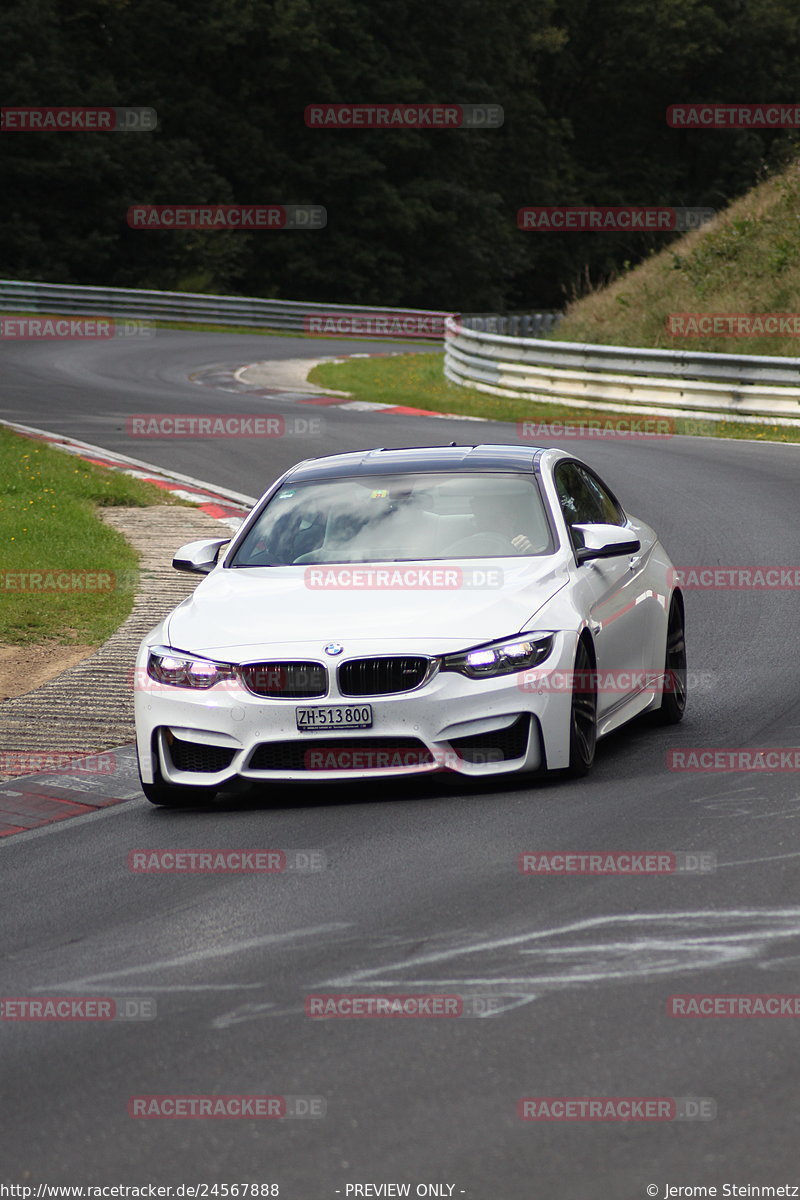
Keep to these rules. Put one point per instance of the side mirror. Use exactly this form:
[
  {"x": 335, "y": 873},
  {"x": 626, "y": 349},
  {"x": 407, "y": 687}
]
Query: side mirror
[
  {"x": 605, "y": 541},
  {"x": 200, "y": 557}
]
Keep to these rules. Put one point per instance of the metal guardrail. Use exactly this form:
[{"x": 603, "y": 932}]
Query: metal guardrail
[
  {"x": 522, "y": 325},
  {"x": 621, "y": 377},
  {"x": 497, "y": 354},
  {"x": 148, "y": 305}
]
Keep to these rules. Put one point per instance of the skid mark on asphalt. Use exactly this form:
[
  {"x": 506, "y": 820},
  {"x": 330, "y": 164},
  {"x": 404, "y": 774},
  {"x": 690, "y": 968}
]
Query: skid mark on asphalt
[
  {"x": 609, "y": 949},
  {"x": 638, "y": 946},
  {"x": 733, "y": 799},
  {"x": 747, "y": 862},
  {"x": 725, "y": 800},
  {"x": 192, "y": 958},
  {"x": 502, "y": 1002}
]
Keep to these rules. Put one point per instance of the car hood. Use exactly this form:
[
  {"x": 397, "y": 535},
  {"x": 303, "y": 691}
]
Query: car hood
[{"x": 235, "y": 614}]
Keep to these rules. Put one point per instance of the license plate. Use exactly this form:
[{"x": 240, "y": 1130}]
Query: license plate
[{"x": 332, "y": 716}]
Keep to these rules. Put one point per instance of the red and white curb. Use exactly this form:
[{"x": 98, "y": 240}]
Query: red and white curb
[
  {"x": 228, "y": 379},
  {"x": 34, "y": 801},
  {"x": 225, "y": 505}
]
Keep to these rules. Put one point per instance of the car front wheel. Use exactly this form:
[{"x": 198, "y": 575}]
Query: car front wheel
[
  {"x": 583, "y": 714},
  {"x": 673, "y": 700}
]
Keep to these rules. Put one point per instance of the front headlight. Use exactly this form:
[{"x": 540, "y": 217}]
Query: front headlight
[
  {"x": 185, "y": 670},
  {"x": 501, "y": 658}
]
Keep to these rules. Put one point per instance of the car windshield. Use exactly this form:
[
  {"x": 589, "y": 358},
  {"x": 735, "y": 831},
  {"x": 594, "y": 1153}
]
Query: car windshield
[{"x": 399, "y": 518}]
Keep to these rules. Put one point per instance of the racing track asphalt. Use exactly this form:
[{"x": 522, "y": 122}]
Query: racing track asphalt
[{"x": 421, "y": 891}]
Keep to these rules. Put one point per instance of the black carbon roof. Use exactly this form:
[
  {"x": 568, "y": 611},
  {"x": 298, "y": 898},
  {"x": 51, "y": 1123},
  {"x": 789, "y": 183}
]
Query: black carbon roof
[{"x": 418, "y": 458}]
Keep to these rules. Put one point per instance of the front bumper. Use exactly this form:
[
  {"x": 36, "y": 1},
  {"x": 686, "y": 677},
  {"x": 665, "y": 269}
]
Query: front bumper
[{"x": 474, "y": 727}]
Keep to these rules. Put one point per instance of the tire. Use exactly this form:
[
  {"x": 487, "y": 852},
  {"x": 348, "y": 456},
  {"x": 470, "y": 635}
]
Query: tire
[
  {"x": 583, "y": 715},
  {"x": 673, "y": 700},
  {"x": 173, "y": 795}
]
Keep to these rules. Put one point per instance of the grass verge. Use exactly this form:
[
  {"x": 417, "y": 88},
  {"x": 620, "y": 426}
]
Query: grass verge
[
  {"x": 49, "y": 525},
  {"x": 417, "y": 381}
]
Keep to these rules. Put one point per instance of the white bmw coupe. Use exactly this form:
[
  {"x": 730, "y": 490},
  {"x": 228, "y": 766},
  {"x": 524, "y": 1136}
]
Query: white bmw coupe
[{"x": 486, "y": 610}]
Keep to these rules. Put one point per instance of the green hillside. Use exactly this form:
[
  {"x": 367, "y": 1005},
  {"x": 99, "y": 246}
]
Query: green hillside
[{"x": 747, "y": 260}]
